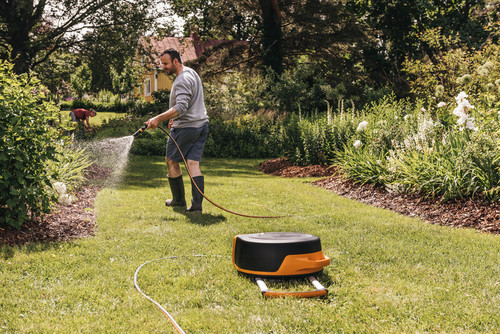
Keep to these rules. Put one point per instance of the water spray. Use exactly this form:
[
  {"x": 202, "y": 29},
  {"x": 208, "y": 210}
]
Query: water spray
[{"x": 138, "y": 132}]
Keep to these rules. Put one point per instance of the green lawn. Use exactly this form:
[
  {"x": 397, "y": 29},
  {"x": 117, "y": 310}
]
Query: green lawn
[{"x": 389, "y": 273}]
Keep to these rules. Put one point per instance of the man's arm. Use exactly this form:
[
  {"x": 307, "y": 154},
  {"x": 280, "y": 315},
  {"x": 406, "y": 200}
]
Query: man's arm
[
  {"x": 87, "y": 120},
  {"x": 155, "y": 121}
]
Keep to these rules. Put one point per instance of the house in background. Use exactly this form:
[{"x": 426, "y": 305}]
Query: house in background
[{"x": 149, "y": 50}]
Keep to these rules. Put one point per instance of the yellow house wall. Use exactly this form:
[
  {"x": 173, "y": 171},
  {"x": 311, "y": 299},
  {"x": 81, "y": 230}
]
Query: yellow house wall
[{"x": 162, "y": 82}]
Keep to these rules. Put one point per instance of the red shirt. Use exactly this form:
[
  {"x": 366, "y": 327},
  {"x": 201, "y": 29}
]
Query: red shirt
[{"x": 81, "y": 113}]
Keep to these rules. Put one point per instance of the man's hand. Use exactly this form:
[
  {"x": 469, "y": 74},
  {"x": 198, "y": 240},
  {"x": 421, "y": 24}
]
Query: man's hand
[{"x": 152, "y": 123}]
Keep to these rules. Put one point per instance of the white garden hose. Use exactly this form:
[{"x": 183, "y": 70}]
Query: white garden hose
[{"x": 162, "y": 309}]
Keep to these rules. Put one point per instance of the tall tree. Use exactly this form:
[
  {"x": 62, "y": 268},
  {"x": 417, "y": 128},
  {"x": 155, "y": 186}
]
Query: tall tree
[
  {"x": 278, "y": 32},
  {"x": 399, "y": 29},
  {"x": 30, "y": 31},
  {"x": 272, "y": 51}
]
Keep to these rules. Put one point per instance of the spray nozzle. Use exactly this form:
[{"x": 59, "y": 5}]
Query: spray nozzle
[{"x": 138, "y": 132}]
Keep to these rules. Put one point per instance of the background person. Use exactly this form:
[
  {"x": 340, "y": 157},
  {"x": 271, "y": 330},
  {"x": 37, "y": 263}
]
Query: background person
[
  {"x": 83, "y": 115},
  {"x": 188, "y": 121}
]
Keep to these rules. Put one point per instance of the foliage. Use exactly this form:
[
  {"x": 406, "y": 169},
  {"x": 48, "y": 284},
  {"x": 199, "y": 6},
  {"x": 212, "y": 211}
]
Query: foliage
[
  {"x": 56, "y": 74},
  {"x": 31, "y": 31},
  {"x": 115, "y": 105},
  {"x": 419, "y": 153},
  {"x": 105, "y": 96},
  {"x": 26, "y": 144},
  {"x": 363, "y": 166},
  {"x": 458, "y": 70},
  {"x": 119, "y": 127},
  {"x": 399, "y": 31},
  {"x": 81, "y": 80},
  {"x": 464, "y": 165},
  {"x": 69, "y": 166},
  {"x": 127, "y": 80},
  {"x": 161, "y": 96},
  {"x": 247, "y": 136}
]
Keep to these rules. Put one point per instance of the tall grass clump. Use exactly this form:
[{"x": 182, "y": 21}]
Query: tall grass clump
[{"x": 69, "y": 166}]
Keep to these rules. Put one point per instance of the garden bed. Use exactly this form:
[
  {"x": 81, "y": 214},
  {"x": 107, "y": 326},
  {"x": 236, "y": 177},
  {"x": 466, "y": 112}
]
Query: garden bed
[
  {"x": 463, "y": 213},
  {"x": 64, "y": 222}
]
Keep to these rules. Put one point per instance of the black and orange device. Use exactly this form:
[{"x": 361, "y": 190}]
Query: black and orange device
[{"x": 280, "y": 254}]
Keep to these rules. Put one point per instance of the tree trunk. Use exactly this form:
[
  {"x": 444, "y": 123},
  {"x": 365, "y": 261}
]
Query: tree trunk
[{"x": 272, "y": 35}]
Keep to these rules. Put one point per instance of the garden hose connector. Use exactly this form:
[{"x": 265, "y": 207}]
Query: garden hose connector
[{"x": 138, "y": 132}]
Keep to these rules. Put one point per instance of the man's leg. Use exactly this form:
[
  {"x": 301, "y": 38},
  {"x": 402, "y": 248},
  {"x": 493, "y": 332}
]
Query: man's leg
[
  {"x": 176, "y": 184},
  {"x": 196, "y": 196}
]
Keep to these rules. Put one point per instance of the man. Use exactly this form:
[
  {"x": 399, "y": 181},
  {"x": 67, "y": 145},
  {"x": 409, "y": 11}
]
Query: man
[
  {"x": 83, "y": 115},
  {"x": 188, "y": 122}
]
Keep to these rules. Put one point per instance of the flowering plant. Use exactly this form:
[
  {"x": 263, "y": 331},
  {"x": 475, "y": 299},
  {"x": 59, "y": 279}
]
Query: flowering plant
[{"x": 463, "y": 106}]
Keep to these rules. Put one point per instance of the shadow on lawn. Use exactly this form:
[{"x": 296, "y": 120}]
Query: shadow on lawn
[
  {"x": 147, "y": 174},
  {"x": 204, "y": 219}
]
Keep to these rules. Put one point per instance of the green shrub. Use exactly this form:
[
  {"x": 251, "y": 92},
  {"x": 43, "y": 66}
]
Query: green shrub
[
  {"x": 26, "y": 144},
  {"x": 150, "y": 143},
  {"x": 245, "y": 137},
  {"x": 116, "y": 106},
  {"x": 455, "y": 70}
]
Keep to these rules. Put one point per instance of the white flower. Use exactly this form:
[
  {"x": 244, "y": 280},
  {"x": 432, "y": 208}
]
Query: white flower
[
  {"x": 460, "y": 97},
  {"x": 470, "y": 124},
  {"x": 459, "y": 110},
  {"x": 407, "y": 117},
  {"x": 466, "y": 104},
  {"x": 358, "y": 143},
  {"x": 65, "y": 199},
  {"x": 423, "y": 109},
  {"x": 362, "y": 126},
  {"x": 463, "y": 118},
  {"x": 441, "y": 104},
  {"x": 60, "y": 187}
]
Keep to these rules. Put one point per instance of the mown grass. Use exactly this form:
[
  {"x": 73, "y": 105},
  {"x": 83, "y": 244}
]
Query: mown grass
[{"x": 389, "y": 273}]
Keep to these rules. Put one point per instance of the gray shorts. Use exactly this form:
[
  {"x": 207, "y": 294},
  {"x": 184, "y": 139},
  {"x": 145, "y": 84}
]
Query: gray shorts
[{"x": 191, "y": 142}]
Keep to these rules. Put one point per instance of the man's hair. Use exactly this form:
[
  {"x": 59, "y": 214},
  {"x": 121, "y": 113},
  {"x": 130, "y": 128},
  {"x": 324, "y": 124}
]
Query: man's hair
[
  {"x": 173, "y": 53},
  {"x": 93, "y": 111}
]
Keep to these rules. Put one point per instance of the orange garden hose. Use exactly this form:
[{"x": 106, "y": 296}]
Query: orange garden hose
[{"x": 208, "y": 199}]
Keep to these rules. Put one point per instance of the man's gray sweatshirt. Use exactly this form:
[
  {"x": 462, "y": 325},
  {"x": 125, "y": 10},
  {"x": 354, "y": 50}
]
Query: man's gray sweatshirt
[{"x": 186, "y": 96}]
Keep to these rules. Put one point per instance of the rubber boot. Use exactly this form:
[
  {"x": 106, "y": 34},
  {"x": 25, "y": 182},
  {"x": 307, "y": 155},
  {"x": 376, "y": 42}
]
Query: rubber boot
[
  {"x": 196, "y": 197},
  {"x": 177, "y": 188}
]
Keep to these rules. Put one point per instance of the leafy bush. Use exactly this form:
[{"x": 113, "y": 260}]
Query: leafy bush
[
  {"x": 115, "y": 106},
  {"x": 149, "y": 143},
  {"x": 454, "y": 70},
  {"x": 249, "y": 136},
  {"x": 26, "y": 144}
]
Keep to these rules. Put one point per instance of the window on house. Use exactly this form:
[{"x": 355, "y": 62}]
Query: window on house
[{"x": 147, "y": 87}]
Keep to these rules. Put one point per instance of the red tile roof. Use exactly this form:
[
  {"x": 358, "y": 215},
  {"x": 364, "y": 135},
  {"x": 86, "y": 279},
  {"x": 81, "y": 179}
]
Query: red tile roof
[{"x": 190, "y": 48}]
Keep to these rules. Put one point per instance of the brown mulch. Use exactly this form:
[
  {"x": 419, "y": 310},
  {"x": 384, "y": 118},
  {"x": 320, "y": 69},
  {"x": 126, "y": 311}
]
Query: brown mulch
[
  {"x": 469, "y": 213},
  {"x": 64, "y": 222}
]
